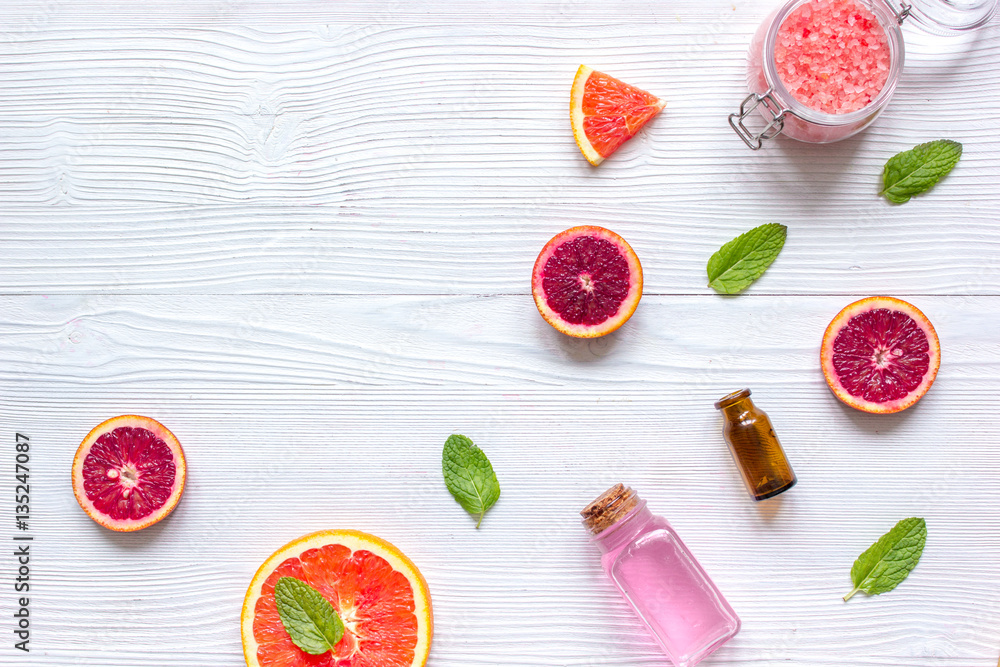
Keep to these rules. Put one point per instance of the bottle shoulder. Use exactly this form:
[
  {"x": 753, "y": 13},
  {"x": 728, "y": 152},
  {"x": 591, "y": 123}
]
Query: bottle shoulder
[
  {"x": 746, "y": 418},
  {"x": 658, "y": 522}
]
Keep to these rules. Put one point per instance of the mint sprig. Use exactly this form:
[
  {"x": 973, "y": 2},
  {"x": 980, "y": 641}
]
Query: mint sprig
[
  {"x": 918, "y": 169},
  {"x": 744, "y": 259},
  {"x": 887, "y": 562},
  {"x": 469, "y": 476},
  {"x": 309, "y": 618}
]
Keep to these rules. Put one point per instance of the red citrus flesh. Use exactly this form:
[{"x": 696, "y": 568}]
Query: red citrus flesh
[
  {"x": 606, "y": 112},
  {"x": 129, "y": 473},
  {"x": 376, "y": 590},
  {"x": 587, "y": 281},
  {"x": 880, "y": 355}
]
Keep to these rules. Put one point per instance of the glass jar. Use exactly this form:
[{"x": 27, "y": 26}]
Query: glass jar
[{"x": 784, "y": 114}]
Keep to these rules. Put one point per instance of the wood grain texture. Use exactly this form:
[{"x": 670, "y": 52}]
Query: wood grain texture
[
  {"x": 252, "y": 160},
  {"x": 300, "y": 234},
  {"x": 529, "y": 570},
  {"x": 481, "y": 249},
  {"x": 326, "y": 422},
  {"x": 305, "y": 340}
]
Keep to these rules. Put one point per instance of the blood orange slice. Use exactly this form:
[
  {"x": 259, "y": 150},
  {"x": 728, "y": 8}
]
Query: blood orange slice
[
  {"x": 606, "y": 112},
  {"x": 880, "y": 354},
  {"x": 129, "y": 473},
  {"x": 587, "y": 281},
  {"x": 379, "y": 594}
]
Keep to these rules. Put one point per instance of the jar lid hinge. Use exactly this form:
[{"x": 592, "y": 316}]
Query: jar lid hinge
[
  {"x": 902, "y": 12},
  {"x": 749, "y": 105}
]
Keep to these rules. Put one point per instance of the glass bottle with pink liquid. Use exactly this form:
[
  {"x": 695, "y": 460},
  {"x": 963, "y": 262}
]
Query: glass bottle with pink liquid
[{"x": 660, "y": 578}]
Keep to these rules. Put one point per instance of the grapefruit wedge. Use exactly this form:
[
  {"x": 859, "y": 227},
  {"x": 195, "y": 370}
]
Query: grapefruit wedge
[
  {"x": 129, "y": 473},
  {"x": 379, "y": 594},
  {"x": 606, "y": 112},
  {"x": 587, "y": 281},
  {"x": 880, "y": 355}
]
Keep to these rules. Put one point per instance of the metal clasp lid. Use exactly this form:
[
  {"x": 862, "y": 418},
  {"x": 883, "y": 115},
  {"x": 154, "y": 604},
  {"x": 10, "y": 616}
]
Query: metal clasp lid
[
  {"x": 902, "y": 13},
  {"x": 749, "y": 105}
]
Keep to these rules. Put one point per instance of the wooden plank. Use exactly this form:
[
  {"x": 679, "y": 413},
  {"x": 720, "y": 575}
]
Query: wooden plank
[
  {"x": 713, "y": 345},
  {"x": 932, "y": 248}
]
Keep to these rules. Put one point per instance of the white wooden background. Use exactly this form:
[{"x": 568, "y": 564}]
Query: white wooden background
[{"x": 301, "y": 235}]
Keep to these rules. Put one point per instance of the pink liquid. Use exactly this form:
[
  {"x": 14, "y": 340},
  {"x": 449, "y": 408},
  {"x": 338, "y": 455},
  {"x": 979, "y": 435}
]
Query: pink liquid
[
  {"x": 832, "y": 55},
  {"x": 667, "y": 588}
]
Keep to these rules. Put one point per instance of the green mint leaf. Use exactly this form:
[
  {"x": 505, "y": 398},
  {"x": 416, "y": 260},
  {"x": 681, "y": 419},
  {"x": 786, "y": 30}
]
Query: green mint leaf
[
  {"x": 744, "y": 259},
  {"x": 918, "y": 169},
  {"x": 469, "y": 476},
  {"x": 309, "y": 618},
  {"x": 887, "y": 562}
]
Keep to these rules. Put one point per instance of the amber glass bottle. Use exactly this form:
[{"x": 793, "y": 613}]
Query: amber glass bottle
[{"x": 755, "y": 447}]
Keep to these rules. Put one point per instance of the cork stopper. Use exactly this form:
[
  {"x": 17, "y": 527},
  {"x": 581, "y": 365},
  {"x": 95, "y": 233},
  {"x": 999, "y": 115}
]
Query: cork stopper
[{"x": 610, "y": 508}]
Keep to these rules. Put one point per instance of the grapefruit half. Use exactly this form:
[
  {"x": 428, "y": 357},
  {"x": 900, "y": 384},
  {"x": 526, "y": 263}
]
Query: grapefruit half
[
  {"x": 587, "y": 281},
  {"x": 880, "y": 354},
  {"x": 606, "y": 112},
  {"x": 377, "y": 591},
  {"x": 129, "y": 473}
]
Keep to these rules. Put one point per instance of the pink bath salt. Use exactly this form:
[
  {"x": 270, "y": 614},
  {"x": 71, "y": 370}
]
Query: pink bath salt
[{"x": 832, "y": 55}]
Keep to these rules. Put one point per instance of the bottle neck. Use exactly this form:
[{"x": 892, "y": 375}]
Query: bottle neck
[
  {"x": 736, "y": 411},
  {"x": 735, "y": 405},
  {"x": 625, "y": 530}
]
